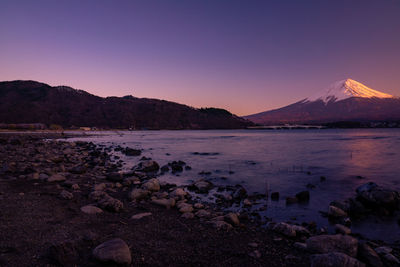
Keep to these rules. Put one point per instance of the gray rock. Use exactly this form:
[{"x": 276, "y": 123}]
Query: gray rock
[
  {"x": 179, "y": 192},
  {"x": 97, "y": 195},
  {"x": 185, "y": 207},
  {"x": 203, "y": 186},
  {"x": 89, "y": 209},
  {"x": 376, "y": 197},
  {"x": 141, "y": 215},
  {"x": 368, "y": 255},
  {"x": 56, "y": 178},
  {"x": 232, "y": 218},
  {"x": 111, "y": 204},
  {"x": 80, "y": 169},
  {"x": 167, "y": 203},
  {"x": 383, "y": 250},
  {"x": 75, "y": 187},
  {"x": 333, "y": 243},
  {"x": 198, "y": 206},
  {"x": 113, "y": 251},
  {"x": 300, "y": 246},
  {"x": 99, "y": 187},
  {"x": 138, "y": 194},
  {"x": 221, "y": 225},
  {"x": 336, "y": 212},
  {"x": 390, "y": 260},
  {"x": 148, "y": 166},
  {"x": 188, "y": 215},
  {"x": 341, "y": 229},
  {"x": 203, "y": 214},
  {"x": 301, "y": 231},
  {"x": 66, "y": 195},
  {"x": 284, "y": 229},
  {"x": 152, "y": 185},
  {"x": 334, "y": 259}
]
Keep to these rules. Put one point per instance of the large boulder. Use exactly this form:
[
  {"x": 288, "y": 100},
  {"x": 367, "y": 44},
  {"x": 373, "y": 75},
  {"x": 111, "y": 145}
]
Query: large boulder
[
  {"x": 113, "y": 251},
  {"x": 377, "y": 197},
  {"x": 334, "y": 259},
  {"x": 333, "y": 243}
]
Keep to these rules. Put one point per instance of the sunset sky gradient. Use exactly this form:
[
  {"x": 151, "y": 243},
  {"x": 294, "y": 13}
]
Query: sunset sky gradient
[{"x": 245, "y": 56}]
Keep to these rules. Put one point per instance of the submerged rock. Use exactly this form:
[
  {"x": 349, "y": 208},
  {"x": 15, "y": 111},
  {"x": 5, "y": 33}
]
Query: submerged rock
[
  {"x": 201, "y": 186},
  {"x": 113, "y": 251},
  {"x": 147, "y": 166},
  {"x": 275, "y": 196},
  {"x": 303, "y": 196}
]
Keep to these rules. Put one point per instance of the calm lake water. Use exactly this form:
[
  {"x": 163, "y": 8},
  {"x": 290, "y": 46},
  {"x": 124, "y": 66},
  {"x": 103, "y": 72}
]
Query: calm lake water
[{"x": 280, "y": 160}]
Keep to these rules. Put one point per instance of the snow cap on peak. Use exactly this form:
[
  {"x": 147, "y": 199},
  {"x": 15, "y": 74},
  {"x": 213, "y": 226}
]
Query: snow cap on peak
[{"x": 344, "y": 89}]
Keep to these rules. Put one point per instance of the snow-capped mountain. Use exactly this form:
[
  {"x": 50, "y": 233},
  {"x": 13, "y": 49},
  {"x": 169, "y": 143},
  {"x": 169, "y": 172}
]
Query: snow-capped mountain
[
  {"x": 345, "y": 100},
  {"x": 345, "y": 89}
]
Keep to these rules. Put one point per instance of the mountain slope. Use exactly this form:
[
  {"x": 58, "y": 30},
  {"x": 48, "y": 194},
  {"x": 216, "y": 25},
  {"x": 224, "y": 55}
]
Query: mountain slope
[
  {"x": 33, "y": 102},
  {"x": 345, "y": 100}
]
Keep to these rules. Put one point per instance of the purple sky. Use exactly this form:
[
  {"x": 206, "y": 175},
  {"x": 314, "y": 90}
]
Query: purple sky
[{"x": 245, "y": 56}]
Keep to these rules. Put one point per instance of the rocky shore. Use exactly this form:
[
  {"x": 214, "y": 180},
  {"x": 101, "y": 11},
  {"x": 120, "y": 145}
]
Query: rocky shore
[{"x": 69, "y": 204}]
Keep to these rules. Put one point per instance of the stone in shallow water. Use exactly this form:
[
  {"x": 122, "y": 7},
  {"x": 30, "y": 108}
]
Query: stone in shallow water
[
  {"x": 113, "y": 251},
  {"x": 303, "y": 196}
]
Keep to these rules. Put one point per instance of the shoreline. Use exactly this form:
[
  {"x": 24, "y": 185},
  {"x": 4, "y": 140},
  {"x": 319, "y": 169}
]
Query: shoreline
[{"x": 79, "y": 174}]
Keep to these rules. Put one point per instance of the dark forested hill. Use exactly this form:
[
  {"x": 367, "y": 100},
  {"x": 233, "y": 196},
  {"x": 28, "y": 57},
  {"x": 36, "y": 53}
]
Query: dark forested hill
[{"x": 34, "y": 102}]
